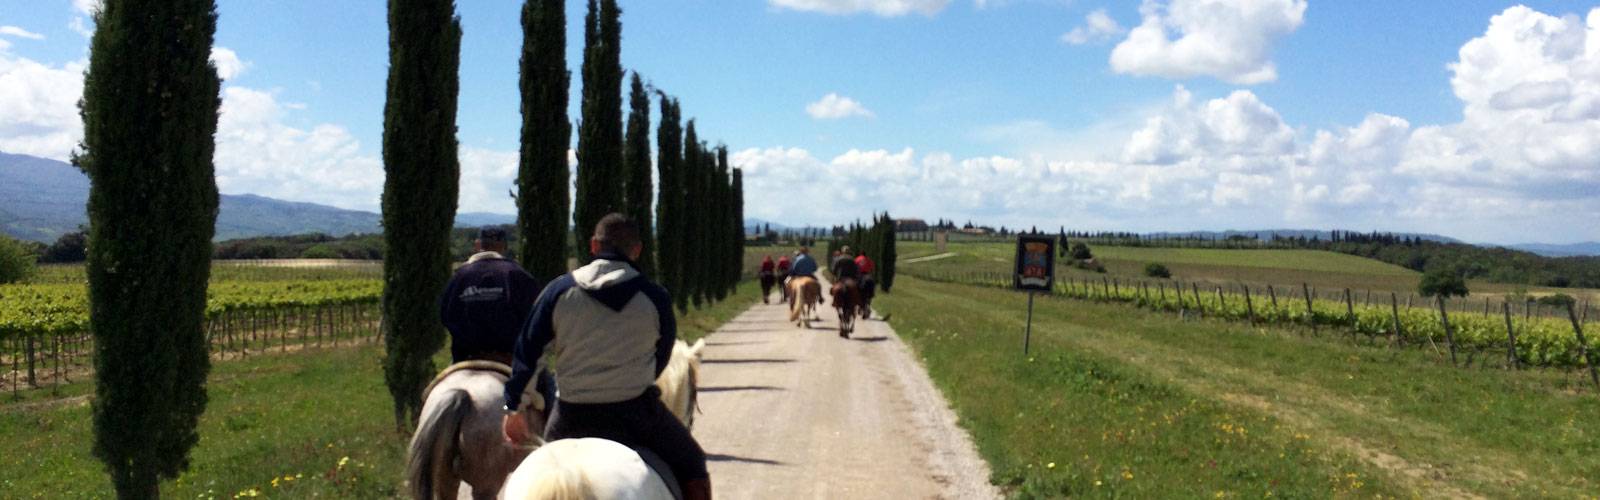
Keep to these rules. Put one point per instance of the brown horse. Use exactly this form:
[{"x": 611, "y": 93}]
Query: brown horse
[
  {"x": 806, "y": 293},
  {"x": 767, "y": 279},
  {"x": 847, "y": 300}
]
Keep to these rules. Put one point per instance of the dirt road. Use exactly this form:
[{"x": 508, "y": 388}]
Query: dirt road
[{"x": 790, "y": 413}]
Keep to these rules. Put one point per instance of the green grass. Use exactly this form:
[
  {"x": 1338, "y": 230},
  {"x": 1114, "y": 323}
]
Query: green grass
[
  {"x": 320, "y": 416},
  {"x": 1317, "y": 268},
  {"x": 1110, "y": 388}
]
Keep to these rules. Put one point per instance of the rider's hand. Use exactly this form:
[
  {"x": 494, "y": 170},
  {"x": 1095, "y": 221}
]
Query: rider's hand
[{"x": 515, "y": 429}]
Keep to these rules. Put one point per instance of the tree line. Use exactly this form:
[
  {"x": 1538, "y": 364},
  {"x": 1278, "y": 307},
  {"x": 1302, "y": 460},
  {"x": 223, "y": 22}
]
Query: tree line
[
  {"x": 876, "y": 241},
  {"x": 150, "y": 107}
]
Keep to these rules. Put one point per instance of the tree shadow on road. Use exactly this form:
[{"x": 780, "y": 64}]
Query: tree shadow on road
[
  {"x": 732, "y": 388},
  {"x": 744, "y": 361},
  {"x": 879, "y": 338}
]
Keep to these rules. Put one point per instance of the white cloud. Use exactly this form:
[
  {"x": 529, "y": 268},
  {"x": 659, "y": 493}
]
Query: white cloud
[
  {"x": 1098, "y": 27},
  {"x": 227, "y": 62},
  {"x": 19, "y": 32},
  {"x": 257, "y": 153},
  {"x": 41, "y": 106},
  {"x": 884, "y": 8},
  {"x": 834, "y": 106},
  {"x": 86, "y": 7},
  {"x": 1227, "y": 39}
]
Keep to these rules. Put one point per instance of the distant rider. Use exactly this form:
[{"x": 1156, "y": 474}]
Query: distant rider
[{"x": 486, "y": 301}]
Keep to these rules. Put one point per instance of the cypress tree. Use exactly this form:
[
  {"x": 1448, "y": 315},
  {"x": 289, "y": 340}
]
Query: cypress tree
[
  {"x": 600, "y": 169},
  {"x": 422, "y": 175},
  {"x": 693, "y": 206},
  {"x": 738, "y": 227},
  {"x": 640, "y": 190},
  {"x": 884, "y": 262},
  {"x": 542, "y": 173},
  {"x": 708, "y": 259},
  {"x": 669, "y": 161},
  {"x": 722, "y": 206},
  {"x": 149, "y": 109}
]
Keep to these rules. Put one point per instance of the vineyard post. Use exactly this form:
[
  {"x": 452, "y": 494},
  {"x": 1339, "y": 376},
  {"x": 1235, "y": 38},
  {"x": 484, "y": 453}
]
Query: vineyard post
[
  {"x": 1486, "y": 306},
  {"x": 1273, "y": 293},
  {"x": 1369, "y": 298},
  {"x": 1511, "y": 334},
  {"x": 1448, "y": 337},
  {"x": 28, "y": 351},
  {"x": 1105, "y": 283},
  {"x": 1116, "y": 291},
  {"x": 1399, "y": 335},
  {"x": 1588, "y": 356},
  {"x": 1311, "y": 316},
  {"x": 1249, "y": 306},
  {"x": 1350, "y": 313},
  {"x": 1162, "y": 288},
  {"x": 1198, "y": 307}
]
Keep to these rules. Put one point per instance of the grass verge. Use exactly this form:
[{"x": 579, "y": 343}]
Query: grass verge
[
  {"x": 1128, "y": 403},
  {"x": 314, "y": 423}
]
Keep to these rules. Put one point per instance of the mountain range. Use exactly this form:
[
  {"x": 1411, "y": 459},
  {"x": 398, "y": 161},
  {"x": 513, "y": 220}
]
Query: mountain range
[{"x": 41, "y": 199}]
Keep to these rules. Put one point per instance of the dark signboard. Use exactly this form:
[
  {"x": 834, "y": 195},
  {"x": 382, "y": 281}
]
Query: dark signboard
[{"x": 1036, "y": 263}]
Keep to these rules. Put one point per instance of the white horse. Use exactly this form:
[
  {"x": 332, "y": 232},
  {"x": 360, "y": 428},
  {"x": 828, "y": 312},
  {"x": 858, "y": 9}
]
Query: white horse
[
  {"x": 459, "y": 434},
  {"x": 599, "y": 469}
]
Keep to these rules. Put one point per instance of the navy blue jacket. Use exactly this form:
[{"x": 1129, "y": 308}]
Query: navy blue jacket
[{"x": 485, "y": 304}]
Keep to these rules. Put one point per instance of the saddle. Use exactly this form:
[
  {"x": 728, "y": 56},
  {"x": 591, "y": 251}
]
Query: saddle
[{"x": 535, "y": 400}]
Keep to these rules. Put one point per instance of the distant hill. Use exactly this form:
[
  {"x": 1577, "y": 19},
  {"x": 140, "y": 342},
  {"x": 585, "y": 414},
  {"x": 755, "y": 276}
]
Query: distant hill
[
  {"x": 1568, "y": 250},
  {"x": 1267, "y": 234},
  {"x": 40, "y": 199}
]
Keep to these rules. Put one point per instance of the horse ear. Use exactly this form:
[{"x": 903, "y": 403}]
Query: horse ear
[{"x": 699, "y": 345}]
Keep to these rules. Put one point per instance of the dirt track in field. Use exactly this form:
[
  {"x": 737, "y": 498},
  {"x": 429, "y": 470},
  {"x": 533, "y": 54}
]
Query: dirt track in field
[{"x": 792, "y": 413}]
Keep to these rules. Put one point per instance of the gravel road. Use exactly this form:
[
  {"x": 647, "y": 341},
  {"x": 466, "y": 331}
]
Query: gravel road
[{"x": 790, "y": 413}]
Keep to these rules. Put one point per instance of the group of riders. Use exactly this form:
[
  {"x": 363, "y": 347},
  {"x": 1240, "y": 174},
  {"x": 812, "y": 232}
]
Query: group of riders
[
  {"x": 846, "y": 268},
  {"x": 612, "y": 332}
]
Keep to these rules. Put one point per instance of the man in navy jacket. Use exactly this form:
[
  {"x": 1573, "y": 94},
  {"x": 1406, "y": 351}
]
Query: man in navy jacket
[{"x": 486, "y": 302}]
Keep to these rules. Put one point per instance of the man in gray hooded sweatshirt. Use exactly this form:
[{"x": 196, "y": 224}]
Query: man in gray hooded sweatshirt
[{"x": 612, "y": 332}]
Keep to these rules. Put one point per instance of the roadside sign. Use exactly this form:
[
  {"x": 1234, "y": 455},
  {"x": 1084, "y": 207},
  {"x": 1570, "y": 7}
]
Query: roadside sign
[{"x": 1035, "y": 264}]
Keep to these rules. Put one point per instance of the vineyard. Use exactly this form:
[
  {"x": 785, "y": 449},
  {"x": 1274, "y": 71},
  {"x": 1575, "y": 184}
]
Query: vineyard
[
  {"x": 1485, "y": 339},
  {"x": 251, "y": 308}
]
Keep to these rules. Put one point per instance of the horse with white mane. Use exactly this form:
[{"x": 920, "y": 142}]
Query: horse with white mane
[{"x": 598, "y": 469}]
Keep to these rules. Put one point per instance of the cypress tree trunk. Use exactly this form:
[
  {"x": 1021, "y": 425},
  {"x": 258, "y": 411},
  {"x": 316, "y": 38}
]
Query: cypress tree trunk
[
  {"x": 693, "y": 256},
  {"x": 149, "y": 108},
  {"x": 669, "y": 140},
  {"x": 640, "y": 190},
  {"x": 422, "y": 175},
  {"x": 600, "y": 169},
  {"x": 542, "y": 196}
]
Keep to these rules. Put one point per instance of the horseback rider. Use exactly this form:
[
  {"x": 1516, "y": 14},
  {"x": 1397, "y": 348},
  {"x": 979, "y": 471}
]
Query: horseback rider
[
  {"x": 486, "y": 301},
  {"x": 804, "y": 265},
  {"x": 844, "y": 266},
  {"x": 783, "y": 276},
  {"x": 612, "y": 332},
  {"x": 868, "y": 282},
  {"x": 766, "y": 276}
]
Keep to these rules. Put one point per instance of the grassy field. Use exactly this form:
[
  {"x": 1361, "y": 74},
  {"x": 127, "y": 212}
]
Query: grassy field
[
  {"x": 1318, "y": 268},
  {"x": 1118, "y": 402},
  {"x": 315, "y": 423}
]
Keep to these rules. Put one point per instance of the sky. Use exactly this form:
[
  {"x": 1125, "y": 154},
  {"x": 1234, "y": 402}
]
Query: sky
[{"x": 1474, "y": 119}]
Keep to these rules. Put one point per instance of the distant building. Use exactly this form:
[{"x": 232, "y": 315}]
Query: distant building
[
  {"x": 910, "y": 226},
  {"x": 977, "y": 231}
]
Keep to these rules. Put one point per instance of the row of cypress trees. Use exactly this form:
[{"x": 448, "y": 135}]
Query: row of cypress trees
[{"x": 150, "y": 104}]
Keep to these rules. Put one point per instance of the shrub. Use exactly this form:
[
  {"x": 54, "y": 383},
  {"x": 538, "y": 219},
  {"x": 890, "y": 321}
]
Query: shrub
[
  {"x": 1559, "y": 300},
  {"x": 1157, "y": 270},
  {"x": 320, "y": 251},
  {"x": 1443, "y": 281},
  {"x": 1080, "y": 251},
  {"x": 16, "y": 262}
]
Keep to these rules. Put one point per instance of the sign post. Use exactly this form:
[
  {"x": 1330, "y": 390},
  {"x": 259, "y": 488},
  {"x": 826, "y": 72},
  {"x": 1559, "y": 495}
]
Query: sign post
[{"x": 1035, "y": 272}]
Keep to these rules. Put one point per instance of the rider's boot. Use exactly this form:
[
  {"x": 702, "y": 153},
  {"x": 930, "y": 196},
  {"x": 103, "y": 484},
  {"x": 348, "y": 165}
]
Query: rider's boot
[{"x": 698, "y": 489}]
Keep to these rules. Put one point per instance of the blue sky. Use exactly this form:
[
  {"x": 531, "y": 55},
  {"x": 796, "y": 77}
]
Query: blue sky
[{"x": 1173, "y": 115}]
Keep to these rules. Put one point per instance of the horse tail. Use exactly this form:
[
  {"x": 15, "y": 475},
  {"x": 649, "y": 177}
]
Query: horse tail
[
  {"x": 562, "y": 482},
  {"x": 431, "y": 457},
  {"x": 797, "y": 305}
]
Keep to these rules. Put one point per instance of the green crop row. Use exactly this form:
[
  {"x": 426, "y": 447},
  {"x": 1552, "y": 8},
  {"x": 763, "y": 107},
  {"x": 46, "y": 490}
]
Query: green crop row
[
  {"x": 63, "y": 309},
  {"x": 1545, "y": 342}
]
